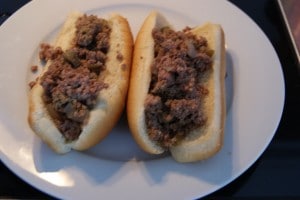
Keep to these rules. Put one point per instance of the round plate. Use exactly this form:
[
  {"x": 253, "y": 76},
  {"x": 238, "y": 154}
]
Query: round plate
[{"x": 117, "y": 168}]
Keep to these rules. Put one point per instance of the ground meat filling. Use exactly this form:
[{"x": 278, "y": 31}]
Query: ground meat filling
[
  {"x": 172, "y": 106},
  {"x": 72, "y": 83}
]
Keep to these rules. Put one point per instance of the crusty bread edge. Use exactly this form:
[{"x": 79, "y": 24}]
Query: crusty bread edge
[
  {"x": 111, "y": 101},
  {"x": 140, "y": 80}
]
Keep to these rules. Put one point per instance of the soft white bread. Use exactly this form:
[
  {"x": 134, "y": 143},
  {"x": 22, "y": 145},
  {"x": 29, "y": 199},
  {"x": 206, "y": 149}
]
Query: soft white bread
[
  {"x": 202, "y": 142},
  {"x": 110, "y": 101}
]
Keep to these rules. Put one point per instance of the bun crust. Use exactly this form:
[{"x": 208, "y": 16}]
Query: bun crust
[
  {"x": 140, "y": 80},
  {"x": 202, "y": 142},
  {"x": 110, "y": 101}
]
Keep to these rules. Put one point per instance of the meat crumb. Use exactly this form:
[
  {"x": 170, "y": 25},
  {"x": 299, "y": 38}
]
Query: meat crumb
[
  {"x": 49, "y": 52},
  {"x": 32, "y": 84},
  {"x": 34, "y": 68},
  {"x": 119, "y": 56},
  {"x": 124, "y": 66}
]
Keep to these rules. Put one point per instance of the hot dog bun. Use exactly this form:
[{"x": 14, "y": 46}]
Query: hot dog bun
[
  {"x": 200, "y": 143},
  {"x": 110, "y": 101}
]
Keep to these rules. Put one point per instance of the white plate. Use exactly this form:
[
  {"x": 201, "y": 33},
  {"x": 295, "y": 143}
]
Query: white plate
[{"x": 117, "y": 168}]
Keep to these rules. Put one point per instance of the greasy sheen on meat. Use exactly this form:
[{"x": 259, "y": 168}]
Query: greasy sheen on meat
[
  {"x": 71, "y": 84},
  {"x": 173, "y": 106}
]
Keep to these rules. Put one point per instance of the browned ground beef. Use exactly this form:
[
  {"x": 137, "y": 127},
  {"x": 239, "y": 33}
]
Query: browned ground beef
[
  {"x": 34, "y": 68},
  {"x": 173, "y": 106},
  {"x": 71, "y": 83},
  {"x": 47, "y": 52}
]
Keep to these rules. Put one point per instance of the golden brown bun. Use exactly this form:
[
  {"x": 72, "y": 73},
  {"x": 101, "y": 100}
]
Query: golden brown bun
[
  {"x": 203, "y": 142},
  {"x": 139, "y": 83},
  {"x": 110, "y": 102}
]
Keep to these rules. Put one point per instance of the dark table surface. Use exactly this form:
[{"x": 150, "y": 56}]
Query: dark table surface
[{"x": 276, "y": 174}]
